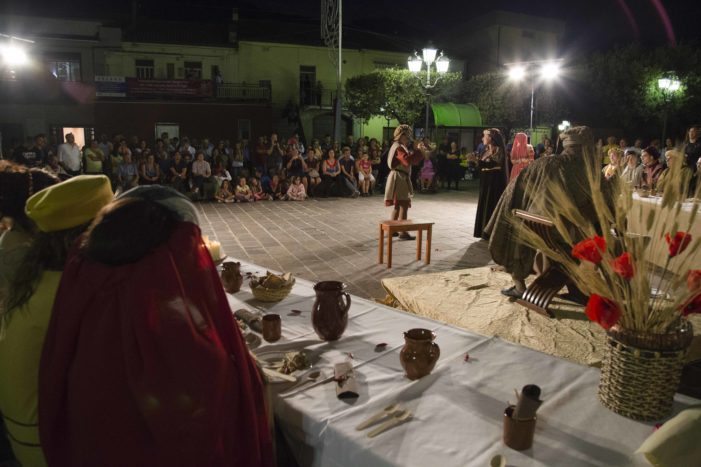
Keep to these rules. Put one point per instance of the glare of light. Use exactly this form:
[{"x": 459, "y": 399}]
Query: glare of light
[
  {"x": 517, "y": 73},
  {"x": 669, "y": 84},
  {"x": 550, "y": 70},
  {"x": 13, "y": 55},
  {"x": 429, "y": 54},
  {"x": 414, "y": 64},
  {"x": 564, "y": 125},
  {"x": 442, "y": 65},
  {"x": 674, "y": 85}
]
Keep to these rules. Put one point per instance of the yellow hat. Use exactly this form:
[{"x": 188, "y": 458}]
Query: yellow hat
[{"x": 69, "y": 204}]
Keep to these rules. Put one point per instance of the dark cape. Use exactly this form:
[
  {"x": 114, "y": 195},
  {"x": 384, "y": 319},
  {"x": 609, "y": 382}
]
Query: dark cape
[
  {"x": 532, "y": 191},
  {"x": 493, "y": 178}
]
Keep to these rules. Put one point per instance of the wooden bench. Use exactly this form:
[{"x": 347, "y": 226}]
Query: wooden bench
[
  {"x": 392, "y": 227},
  {"x": 550, "y": 281}
]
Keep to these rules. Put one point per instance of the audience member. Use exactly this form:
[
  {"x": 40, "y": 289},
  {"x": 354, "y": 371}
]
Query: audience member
[
  {"x": 674, "y": 179},
  {"x": 296, "y": 191},
  {"x": 224, "y": 193},
  {"x": 243, "y": 193},
  {"x": 150, "y": 171},
  {"x": 128, "y": 174},
  {"x": 615, "y": 167},
  {"x": 652, "y": 167},
  {"x": 633, "y": 172}
]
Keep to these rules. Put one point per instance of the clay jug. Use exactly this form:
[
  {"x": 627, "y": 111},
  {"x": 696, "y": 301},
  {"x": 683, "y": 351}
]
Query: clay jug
[
  {"x": 419, "y": 354},
  {"x": 330, "y": 312},
  {"x": 231, "y": 276}
]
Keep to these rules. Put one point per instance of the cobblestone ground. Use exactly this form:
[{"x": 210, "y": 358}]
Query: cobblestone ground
[{"x": 336, "y": 239}]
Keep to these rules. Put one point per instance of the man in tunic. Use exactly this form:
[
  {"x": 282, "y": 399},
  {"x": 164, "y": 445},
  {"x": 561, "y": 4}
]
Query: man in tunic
[
  {"x": 531, "y": 191},
  {"x": 398, "y": 191}
]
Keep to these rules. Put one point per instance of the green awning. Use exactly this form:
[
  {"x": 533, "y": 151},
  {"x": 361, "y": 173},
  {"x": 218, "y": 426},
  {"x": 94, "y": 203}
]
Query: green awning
[{"x": 447, "y": 114}]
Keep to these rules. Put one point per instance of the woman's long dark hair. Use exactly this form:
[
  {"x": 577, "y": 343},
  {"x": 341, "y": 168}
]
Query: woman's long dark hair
[
  {"x": 49, "y": 251},
  {"x": 17, "y": 184},
  {"x": 127, "y": 230}
]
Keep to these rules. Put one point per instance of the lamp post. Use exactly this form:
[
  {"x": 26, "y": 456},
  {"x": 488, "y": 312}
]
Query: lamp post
[
  {"x": 669, "y": 84},
  {"x": 431, "y": 58},
  {"x": 537, "y": 71}
]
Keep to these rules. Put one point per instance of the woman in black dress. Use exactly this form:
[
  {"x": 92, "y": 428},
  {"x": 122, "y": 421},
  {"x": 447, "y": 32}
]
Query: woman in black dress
[{"x": 493, "y": 166}]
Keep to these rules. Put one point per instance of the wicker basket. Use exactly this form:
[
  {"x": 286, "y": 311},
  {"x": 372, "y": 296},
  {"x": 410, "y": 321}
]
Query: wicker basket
[
  {"x": 265, "y": 294},
  {"x": 641, "y": 372}
]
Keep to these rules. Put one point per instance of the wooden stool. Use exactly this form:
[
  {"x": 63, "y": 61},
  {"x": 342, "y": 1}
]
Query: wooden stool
[{"x": 404, "y": 226}]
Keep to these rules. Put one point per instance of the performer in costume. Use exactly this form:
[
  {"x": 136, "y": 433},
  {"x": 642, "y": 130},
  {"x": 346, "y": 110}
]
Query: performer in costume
[
  {"x": 494, "y": 173},
  {"x": 398, "y": 190},
  {"x": 143, "y": 363},
  {"x": 522, "y": 154}
]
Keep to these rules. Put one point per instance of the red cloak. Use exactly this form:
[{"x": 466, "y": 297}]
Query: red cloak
[{"x": 144, "y": 365}]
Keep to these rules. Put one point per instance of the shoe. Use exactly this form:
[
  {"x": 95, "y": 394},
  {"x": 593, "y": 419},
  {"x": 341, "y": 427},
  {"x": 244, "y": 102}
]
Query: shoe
[
  {"x": 406, "y": 236},
  {"x": 512, "y": 292}
]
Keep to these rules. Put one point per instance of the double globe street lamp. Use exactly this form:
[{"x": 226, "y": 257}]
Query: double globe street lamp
[
  {"x": 537, "y": 71},
  {"x": 430, "y": 57}
]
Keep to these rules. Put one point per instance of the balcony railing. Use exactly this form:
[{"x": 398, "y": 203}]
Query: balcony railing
[{"x": 242, "y": 92}]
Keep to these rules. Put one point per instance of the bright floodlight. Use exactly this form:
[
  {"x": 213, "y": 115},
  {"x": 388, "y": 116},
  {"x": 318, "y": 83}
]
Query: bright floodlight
[
  {"x": 13, "y": 55},
  {"x": 517, "y": 73},
  {"x": 429, "y": 55},
  {"x": 664, "y": 83},
  {"x": 550, "y": 70},
  {"x": 414, "y": 64},
  {"x": 442, "y": 65},
  {"x": 674, "y": 85}
]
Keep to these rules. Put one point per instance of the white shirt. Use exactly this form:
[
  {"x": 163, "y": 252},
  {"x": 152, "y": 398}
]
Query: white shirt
[{"x": 69, "y": 154}]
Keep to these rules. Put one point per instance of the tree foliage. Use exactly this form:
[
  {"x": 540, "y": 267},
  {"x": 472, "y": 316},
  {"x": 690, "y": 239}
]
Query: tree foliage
[{"x": 393, "y": 94}]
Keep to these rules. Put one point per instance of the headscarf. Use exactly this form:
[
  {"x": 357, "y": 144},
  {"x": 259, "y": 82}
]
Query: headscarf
[{"x": 143, "y": 365}]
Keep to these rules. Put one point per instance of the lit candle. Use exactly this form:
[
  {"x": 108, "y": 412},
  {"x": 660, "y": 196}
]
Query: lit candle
[{"x": 214, "y": 250}]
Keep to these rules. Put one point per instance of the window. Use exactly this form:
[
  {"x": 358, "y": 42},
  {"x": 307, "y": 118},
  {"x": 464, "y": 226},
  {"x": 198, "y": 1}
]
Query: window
[
  {"x": 170, "y": 70},
  {"x": 144, "y": 69},
  {"x": 308, "y": 94},
  {"x": 65, "y": 67},
  {"x": 193, "y": 70}
]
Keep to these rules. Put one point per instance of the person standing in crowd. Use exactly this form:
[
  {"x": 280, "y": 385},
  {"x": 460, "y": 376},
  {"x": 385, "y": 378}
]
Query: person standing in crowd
[
  {"x": 35, "y": 156},
  {"x": 652, "y": 167},
  {"x": 69, "y": 157},
  {"x": 275, "y": 153},
  {"x": 453, "y": 171},
  {"x": 692, "y": 149},
  {"x": 633, "y": 171},
  {"x": 521, "y": 155},
  {"x": 176, "y": 383},
  {"x": 93, "y": 159},
  {"x": 494, "y": 172},
  {"x": 61, "y": 213},
  {"x": 398, "y": 190}
]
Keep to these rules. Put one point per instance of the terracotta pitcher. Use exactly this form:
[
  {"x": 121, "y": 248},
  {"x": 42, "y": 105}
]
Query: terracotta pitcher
[
  {"x": 419, "y": 354},
  {"x": 231, "y": 276},
  {"x": 330, "y": 312}
]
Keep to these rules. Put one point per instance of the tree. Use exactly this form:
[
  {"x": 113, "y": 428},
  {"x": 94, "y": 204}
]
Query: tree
[{"x": 393, "y": 94}]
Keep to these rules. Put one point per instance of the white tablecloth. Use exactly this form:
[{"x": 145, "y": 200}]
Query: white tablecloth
[
  {"x": 457, "y": 410},
  {"x": 640, "y": 212}
]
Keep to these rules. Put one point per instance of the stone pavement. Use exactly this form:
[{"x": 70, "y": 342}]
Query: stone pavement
[{"x": 336, "y": 238}]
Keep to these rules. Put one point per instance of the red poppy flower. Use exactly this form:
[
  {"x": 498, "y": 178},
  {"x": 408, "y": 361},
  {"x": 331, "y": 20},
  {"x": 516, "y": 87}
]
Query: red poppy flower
[
  {"x": 694, "y": 306},
  {"x": 603, "y": 311},
  {"x": 693, "y": 280},
  {"x": 678, "y": 243},
  {"x": 590, "y": 249},
  {"x": 623, "y": 266}
]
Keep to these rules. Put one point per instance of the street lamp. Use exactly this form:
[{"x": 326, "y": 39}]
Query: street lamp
[
  {"x": 431, "y": 57},
  {"x": 669, "y": 85},
  {"x": 546, "y": 70}
]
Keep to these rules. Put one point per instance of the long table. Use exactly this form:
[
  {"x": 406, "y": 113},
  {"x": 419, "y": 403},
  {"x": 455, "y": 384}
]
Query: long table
[{"x": 457, "y": 409}]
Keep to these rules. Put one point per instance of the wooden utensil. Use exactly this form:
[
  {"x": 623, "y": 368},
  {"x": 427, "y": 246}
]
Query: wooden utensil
[
  {"x": 386, "y": 412},
  {"x": 398, "y": 419}
]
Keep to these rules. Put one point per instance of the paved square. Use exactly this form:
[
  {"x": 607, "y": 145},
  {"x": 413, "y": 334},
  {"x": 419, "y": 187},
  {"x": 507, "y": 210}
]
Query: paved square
[{"x": 336, "y": 239}]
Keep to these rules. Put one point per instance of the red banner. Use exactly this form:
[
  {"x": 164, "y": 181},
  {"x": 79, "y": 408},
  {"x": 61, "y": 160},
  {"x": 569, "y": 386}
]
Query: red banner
[{"x": 168, "y": 87}]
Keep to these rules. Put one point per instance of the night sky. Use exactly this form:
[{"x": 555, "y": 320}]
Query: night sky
[{"x": 593, "y": 24}]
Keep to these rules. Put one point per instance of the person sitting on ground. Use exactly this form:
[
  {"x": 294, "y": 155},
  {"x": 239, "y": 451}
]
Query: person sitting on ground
[
  {"x": 225, "y": 194},
  {"x": 265, "y": 178},
  {"x": 536, "y": 190},
  {"x": 276, "y": 188},
  {"x": 220, "y": 173},
  {"x": 202, "y": 181},
  {"x": 296, "y": 167},
  {"x": 428, "y": 173},
  {"x": 243, "y": 193},
  {"x": 61, "y": 214},
  {"x": 296, "y": 191},
  {"x": 633, "y": 171},
  {"x": 178, "y": 173},
  {"x": 150, "y": 171},
  {"x": 313, "y": 162},
  {"x": 257, "y": 190},
  {"x": 675, "y": 180},
  {"x": 652, "y": 167},
  {"x": 127, "y": 174},
  {"x": 365, "y": 178},
  {"x": 615, "y": 167},
  {"x": 176, "y": 383}
]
